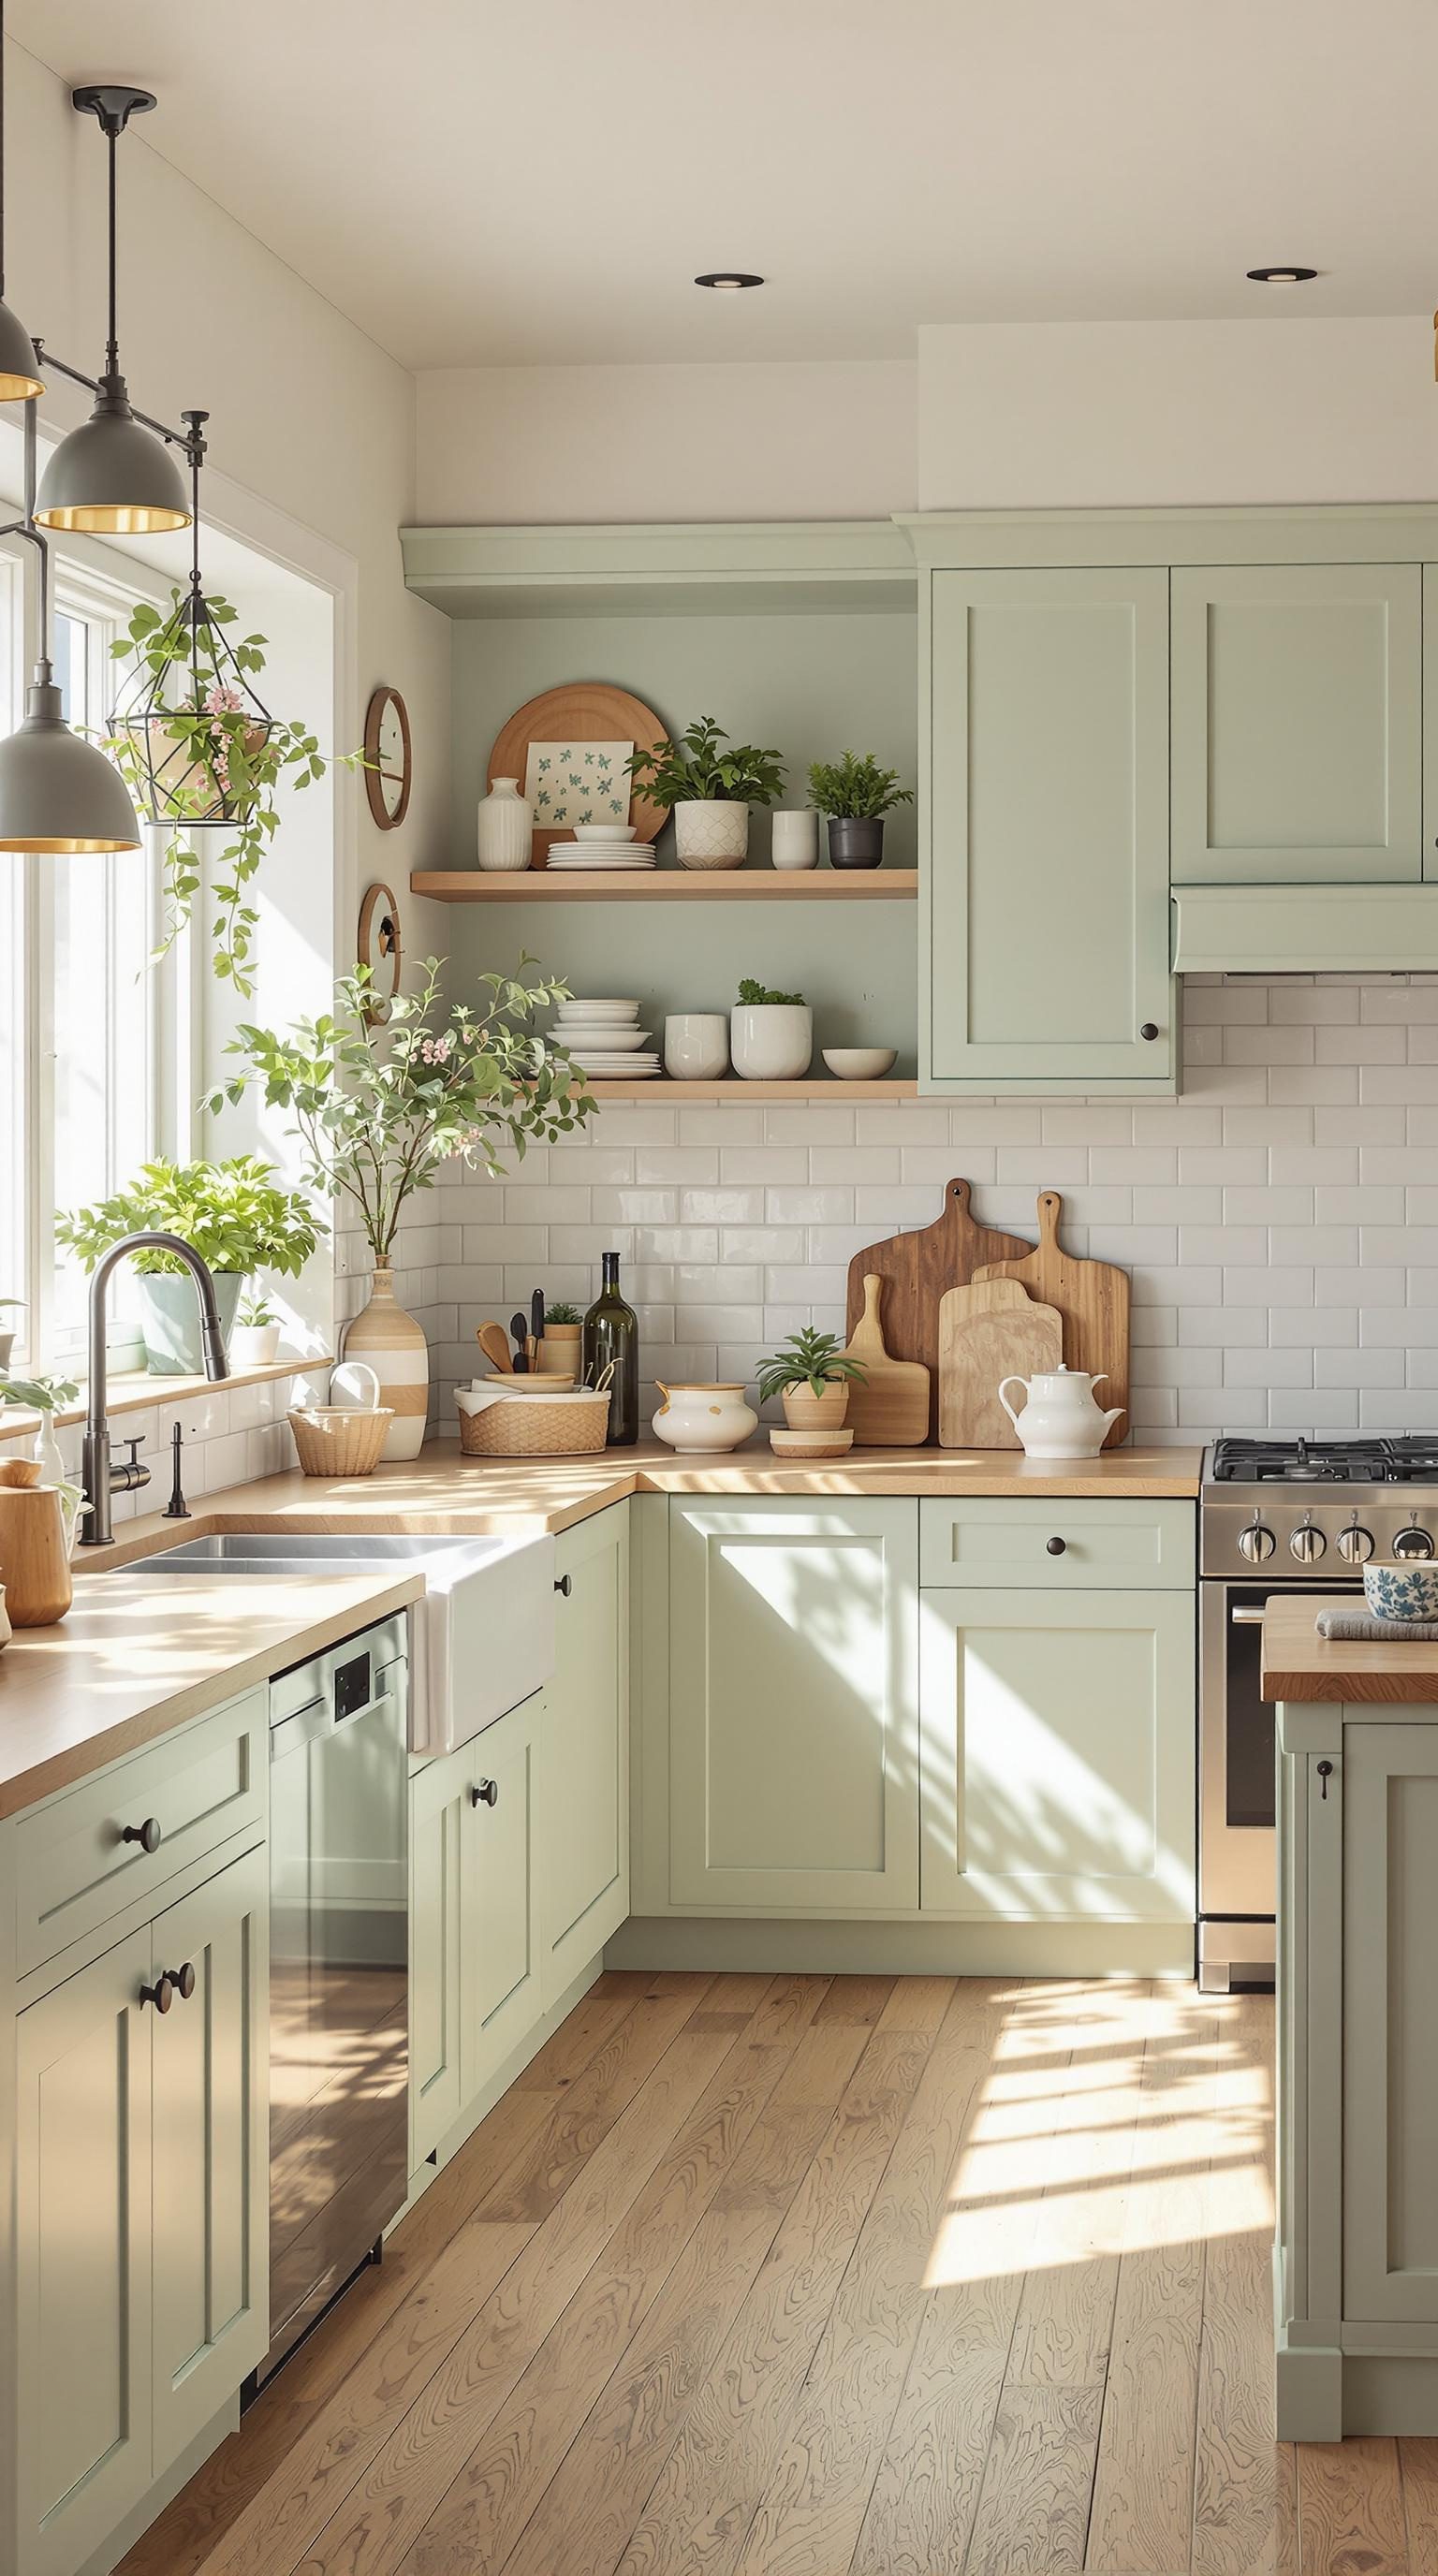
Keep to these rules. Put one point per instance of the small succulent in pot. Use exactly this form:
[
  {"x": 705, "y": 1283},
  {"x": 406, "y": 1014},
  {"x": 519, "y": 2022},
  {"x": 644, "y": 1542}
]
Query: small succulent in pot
[
  {"x": 255, "y": 1339},
  {"x": 710, "y": 784},
  {"x": 856, "y": 794},
  {"x": 813, "y": 1373}
]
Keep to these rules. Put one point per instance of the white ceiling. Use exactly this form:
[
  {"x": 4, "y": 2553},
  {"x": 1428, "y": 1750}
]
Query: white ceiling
[{"x": 481, "y": 182}]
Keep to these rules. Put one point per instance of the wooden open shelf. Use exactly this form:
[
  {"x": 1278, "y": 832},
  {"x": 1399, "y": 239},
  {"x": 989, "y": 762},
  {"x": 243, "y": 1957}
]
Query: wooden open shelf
[
  {"x": 669, "y": 885},
  {"x": 827, "y": 1087}
]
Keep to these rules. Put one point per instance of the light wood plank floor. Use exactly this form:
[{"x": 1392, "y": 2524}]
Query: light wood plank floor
[{"x": 789, "y": 2276}]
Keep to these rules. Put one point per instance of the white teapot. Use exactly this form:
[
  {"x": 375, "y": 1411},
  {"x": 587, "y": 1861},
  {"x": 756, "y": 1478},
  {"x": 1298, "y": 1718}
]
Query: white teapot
[{"x": 1061, "y": 1417}]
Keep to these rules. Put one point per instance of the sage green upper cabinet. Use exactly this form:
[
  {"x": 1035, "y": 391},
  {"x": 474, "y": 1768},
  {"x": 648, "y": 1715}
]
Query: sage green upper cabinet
[
  {"x": 793, "y": 1719},
  {"x": 1297, "y": 724},
  {"x": 1047, "y": 831}
]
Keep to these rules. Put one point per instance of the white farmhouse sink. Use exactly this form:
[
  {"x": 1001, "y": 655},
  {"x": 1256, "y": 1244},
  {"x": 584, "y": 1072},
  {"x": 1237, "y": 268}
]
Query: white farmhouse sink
[{"x": 481, "y": 1640}]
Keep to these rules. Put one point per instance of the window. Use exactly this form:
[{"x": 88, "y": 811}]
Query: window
[{"x": 78, "y": 1095}]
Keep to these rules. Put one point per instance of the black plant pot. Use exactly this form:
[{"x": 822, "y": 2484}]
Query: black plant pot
[{"x": 856, "y": 841}]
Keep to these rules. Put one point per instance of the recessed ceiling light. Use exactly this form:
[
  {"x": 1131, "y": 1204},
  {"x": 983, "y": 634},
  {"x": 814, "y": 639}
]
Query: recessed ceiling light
[
  {"x": 1286, "y": 276},
  {"x": 729, "y": 280}
]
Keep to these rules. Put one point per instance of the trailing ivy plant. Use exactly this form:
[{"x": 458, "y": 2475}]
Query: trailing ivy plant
[
  {"x": 379, "y": 1105},
  {"x": 216, "y": 761},
  {"x": 698, "y": 769}
]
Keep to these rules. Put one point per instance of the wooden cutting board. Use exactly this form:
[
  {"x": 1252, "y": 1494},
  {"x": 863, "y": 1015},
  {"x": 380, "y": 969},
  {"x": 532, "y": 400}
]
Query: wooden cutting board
[
  {"x": 891, "y": 1409},
  {"x": 987, "y": 1332},
  {"x": 917, "y": 1269},
  {"x": 1093, "y": 1299}
]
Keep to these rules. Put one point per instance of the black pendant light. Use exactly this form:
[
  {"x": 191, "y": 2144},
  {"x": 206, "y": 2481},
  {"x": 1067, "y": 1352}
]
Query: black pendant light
[
  {"x": 19, "y": 366},
  {"x": 112, "y": 477},
  {"x": 57, "y": 793}
]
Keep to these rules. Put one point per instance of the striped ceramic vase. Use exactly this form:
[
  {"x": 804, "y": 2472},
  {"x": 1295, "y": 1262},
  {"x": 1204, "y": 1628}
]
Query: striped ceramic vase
[{"x": 389, "y": 1340}]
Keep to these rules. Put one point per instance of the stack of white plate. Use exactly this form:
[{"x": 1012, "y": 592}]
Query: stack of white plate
[
  {"x": 603, "y": 1038},
  {"x": 600, "y": 846}
]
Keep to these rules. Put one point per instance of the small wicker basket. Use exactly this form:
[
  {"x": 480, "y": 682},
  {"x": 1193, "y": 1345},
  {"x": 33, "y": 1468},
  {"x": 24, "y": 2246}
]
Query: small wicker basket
[
  {"x": 334, "y": 1440},
  {"x": 530, "y": 1426}
]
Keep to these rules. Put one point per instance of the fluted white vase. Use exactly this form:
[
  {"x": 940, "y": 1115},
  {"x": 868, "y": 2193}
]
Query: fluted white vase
[{"x": 506, "y": 827}]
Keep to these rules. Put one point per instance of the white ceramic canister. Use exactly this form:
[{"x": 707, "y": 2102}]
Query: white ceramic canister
[
  {"x": 696, "y": 1046},
  {"x": 771, "y": 1041},
  {"x": 704, "y": 1417},
  {"x": 796, "y": 838},
  {"x": 506, "y": 827}
]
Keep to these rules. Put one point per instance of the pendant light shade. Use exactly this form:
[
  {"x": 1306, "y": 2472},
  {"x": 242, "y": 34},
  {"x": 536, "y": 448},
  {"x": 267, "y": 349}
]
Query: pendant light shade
[
  {"x": 58, "y": 793},
  {"x": 112, "y": 477}
]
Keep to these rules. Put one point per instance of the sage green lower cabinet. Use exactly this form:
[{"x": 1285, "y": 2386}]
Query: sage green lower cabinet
[
  {"x": 584, "y": 1751},
  {"x": 1297, "y": 723},
  {"x": 141, "y": 2197},
  {"x": 1357, "y": 2251},
  {"x": 438, "y": 1797},
  {"x": 1058, "y": 1754},
  {"x": 1045, "y": 940},
  {"x": 793, "y": 1719}
]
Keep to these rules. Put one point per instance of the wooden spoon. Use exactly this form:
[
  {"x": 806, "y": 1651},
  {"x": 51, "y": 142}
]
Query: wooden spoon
[{"x": 493, "y": 1340}]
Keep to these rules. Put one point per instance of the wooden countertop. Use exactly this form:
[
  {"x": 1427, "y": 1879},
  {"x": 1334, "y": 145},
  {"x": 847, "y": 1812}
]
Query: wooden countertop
[
  {"x": 1298, "y": 1664},
  {"x": 139, "y": 1653}
]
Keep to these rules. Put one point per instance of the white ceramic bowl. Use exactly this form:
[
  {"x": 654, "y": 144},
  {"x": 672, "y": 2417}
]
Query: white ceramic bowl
[
  {"x": 859, "y": 1064},
  {"x": 609, "y": 1039},
  {"x": 586, "y": 1010},
  {"x": 605, "y": 831},
  {"x": 1401, "y": 1588}
]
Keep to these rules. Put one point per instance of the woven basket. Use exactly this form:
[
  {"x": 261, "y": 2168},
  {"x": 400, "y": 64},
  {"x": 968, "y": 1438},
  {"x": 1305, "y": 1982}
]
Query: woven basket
[
  {"x": 333, "y": 1441},
  {"x": 564, "y": 1426}
]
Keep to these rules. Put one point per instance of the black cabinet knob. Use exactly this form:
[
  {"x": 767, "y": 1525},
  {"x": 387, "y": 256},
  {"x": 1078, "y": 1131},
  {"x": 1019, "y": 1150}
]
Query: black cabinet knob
[
  {"x": 183, "y": 1980},
  {"x": 486, "y": 1795},
  {"x": 161, "y": 1994},
  {"x": 1058, "y": 1546},
  {"x": 1325, "y": 1774},
  {"x": 1149, "y": 1030},
  {"x": 146, "y": 1835},
  {"x": 564, "y": 1583}
]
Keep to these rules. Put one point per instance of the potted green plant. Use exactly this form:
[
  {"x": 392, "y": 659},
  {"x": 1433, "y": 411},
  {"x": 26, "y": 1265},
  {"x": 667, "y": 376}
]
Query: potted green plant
[
  {"x": 709, "y": 783},
  {"x": 379, "y": 1105},
  {"x": 559, "y": 1348},
  {"x": 813, "y": 1374},
  {"x": 255, "y": 1338},
  {"x": 13, "y": 1306},
  {"x": 46, "y": 1396},
  {"x": 856, "y": 794},
  {"x": 771, "y": 1035},
  {"x": 235, "y": 1216}
]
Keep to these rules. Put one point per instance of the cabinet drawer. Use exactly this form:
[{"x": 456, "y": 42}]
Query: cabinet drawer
[
  {"x": 1104, "y": 1544},
  {"x": 74, "y": 1869}
]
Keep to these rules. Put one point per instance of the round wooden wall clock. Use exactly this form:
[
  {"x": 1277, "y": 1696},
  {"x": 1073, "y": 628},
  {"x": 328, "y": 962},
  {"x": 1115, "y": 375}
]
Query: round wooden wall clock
[
  {"x": 380, "y": 948},
  {"x": 389, "y": 760}
]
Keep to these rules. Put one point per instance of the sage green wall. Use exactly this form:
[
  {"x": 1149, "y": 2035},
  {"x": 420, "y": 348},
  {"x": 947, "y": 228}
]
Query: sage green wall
[{"x": 813, "y": 685}]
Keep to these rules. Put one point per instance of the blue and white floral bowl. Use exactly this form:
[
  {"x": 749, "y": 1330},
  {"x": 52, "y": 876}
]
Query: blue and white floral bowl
[{"x": 1402, "y": 1588}]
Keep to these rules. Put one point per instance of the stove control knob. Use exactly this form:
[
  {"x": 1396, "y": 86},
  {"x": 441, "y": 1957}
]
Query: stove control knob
[
  {"x": 1307, "y": 1543},
  {"x": 1413, "y": 1541},
  {"x": 1355, "y": 1544},
  {"x": 1255, "y": 1543}
]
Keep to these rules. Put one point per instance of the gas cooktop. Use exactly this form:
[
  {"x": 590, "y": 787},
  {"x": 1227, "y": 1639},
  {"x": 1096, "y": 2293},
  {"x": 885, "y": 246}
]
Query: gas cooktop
[{"x": 1403, "y": 1461}]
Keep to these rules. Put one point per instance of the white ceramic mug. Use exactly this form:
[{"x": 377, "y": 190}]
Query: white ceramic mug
[
  {"x": 796, "y": 838},
  {"x": 696, "y": 1046}
]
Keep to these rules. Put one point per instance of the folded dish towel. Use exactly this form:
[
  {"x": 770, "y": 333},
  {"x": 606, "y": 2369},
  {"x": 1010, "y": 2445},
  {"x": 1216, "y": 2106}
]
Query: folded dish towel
[{"x": 1347, "y": 1627}]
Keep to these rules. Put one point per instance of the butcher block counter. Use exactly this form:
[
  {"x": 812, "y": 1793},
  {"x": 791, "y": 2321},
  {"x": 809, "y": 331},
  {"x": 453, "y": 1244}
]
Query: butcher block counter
[{"x": 1298, "y": 1664}]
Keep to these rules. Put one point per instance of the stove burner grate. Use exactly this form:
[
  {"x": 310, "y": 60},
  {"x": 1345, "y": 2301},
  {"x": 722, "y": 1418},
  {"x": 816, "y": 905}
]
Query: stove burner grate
[{"x": 1403, "y": 1461}]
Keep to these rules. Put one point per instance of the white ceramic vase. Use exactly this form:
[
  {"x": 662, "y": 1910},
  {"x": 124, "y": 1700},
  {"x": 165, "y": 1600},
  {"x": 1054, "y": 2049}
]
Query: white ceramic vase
[
  {"x": 704, "y": 1417},
  {"x": 771, "y": 1041},
  {"x": 506, "y": 827},
  {"x": 796, "y": 839},
  {"x": 710, "y": 834},
  {"x": 696, "y": 1046}
]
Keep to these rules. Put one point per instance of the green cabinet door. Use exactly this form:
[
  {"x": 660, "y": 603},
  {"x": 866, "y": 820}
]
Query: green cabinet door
[
  {"x": 1389, "y": 1788},
  {"x": 438, "y": 1799},
  {"x": 82, "y": 2234},
  {"x": 210, "y": 2152},
  {"x": 793, "y": 1720},
  {"x": 1046, "y": 831},
  {"x": 500, "y": 1937},
  {"x": 1058, "y": 1755},
  {"x": 584, "y": 1756},
  {"x": 1297, "y": 724}
]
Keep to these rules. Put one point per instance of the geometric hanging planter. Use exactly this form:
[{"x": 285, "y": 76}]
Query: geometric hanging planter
[{"x": 192, "y": 746}]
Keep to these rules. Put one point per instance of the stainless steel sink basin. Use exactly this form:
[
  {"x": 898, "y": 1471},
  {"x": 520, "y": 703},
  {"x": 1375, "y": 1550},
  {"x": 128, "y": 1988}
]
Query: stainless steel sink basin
[{"x": 482, "y": 1637}]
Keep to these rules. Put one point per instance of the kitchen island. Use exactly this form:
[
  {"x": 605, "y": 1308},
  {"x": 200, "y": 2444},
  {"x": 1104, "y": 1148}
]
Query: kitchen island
[{"x": 1356, "y": 2259}]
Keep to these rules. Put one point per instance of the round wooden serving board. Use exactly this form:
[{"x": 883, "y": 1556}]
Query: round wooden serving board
[{"x": 583, "y": 711}]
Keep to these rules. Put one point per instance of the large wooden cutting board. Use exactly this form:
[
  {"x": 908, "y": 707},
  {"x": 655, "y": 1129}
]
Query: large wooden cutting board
[
  {"x": 989, "y": 1331},
  {"x": 917, "y": 1269},
  {"x": 891, "y": 1409},
  {"x": 1093, "y": 1299}
]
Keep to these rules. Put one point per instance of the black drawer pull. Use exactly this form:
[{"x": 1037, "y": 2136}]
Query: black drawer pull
[
  {"x": 1325, "y": 1774},
  {"x": 486, "y": 1795},
  {"x": 1149, "y": 1030},
  {"x": 1058, "y": 1546},
  {"x": 146, "y": 1835},
  {"x": 564, "y": 1583},
  {"x": 183, "y": 1980}
]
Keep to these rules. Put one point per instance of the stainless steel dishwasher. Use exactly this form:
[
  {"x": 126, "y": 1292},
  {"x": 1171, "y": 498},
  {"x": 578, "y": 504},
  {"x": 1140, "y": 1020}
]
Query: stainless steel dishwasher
[{"x": 339, "y": 1971}]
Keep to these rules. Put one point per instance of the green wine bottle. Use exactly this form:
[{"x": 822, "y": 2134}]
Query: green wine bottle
[{"x": 611, "y": 1332}]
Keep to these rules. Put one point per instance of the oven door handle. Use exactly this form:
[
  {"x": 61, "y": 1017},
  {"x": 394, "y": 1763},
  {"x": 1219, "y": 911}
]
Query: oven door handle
[{"x": 1246, "y": 1614}]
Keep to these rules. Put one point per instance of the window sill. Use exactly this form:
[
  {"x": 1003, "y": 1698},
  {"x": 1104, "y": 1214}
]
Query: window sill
[{"x": 136, "y": 1391}]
